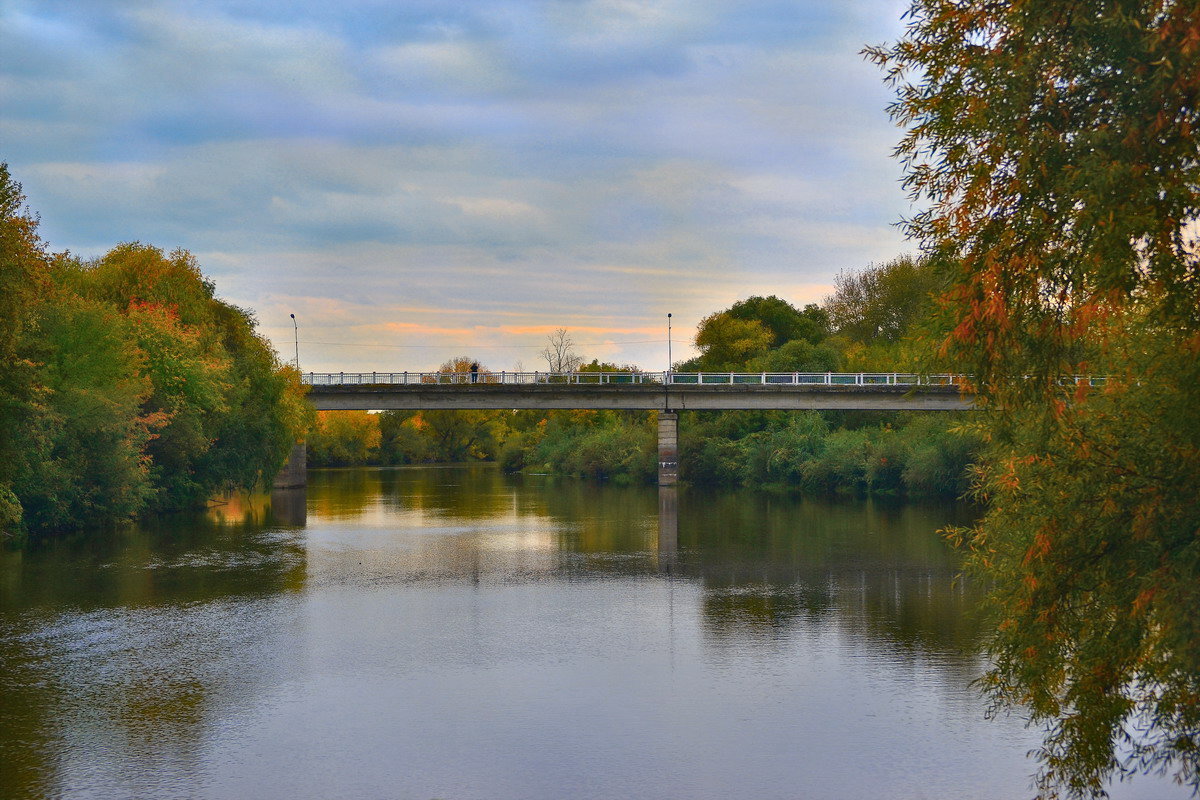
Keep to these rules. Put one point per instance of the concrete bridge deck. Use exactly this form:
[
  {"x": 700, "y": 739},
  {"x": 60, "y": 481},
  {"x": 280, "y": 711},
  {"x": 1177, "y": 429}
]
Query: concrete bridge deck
[
  {"x": 665, "y": 392},
  {"x": 635, "y": 391}
]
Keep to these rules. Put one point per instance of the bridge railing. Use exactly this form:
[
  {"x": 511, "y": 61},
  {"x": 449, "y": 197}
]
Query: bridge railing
[{"x": 628, "y": 378}]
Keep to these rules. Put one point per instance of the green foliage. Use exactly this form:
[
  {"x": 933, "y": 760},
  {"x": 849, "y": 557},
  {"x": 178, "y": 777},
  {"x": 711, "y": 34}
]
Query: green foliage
[
  {"x": 785, "y": 322},
  {"x": 1090, "y": 539},
  {"x": 596, "y": 365},
  {"x": 603, "y": 445},
  {"x": 231, "y": 410},
  {"x": 80, "y": 450},
  {"x": 802, "y": 451},
  {"x": 727, "y": 343},
  {"x": 712, "y": 461},
  {"x": 798, "y": 355},
  {"x": 940, "y": 456},
  {"x": 344, "y": 438},
  {"x": 23, "y": 267},
  {"x": 1055, "y": 145},
  {"x": 187, "y": 392},
  {"x": 779, "y": 455},
  {"x": 885, "y": 302},
  {"x": 267, "y": 411},
  {"x": 441, "y": 436},
  {"x": 125, "y": 385},
  {"x": 400, "y": 439},
  {"x": 763, "y": 334},
  {"x": 461, "y": 435},
  {"x": 511, "y": 456}
]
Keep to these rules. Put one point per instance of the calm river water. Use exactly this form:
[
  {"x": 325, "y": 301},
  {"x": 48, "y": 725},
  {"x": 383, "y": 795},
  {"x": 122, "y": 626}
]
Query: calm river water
[{"x": 456, "y": 633}]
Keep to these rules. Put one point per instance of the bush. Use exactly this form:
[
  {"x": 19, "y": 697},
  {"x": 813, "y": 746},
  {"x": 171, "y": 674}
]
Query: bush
[{"x": 842, "y": 466}]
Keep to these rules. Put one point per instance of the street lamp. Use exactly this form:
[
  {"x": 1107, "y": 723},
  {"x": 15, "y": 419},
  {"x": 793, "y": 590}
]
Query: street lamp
[
  {"x": 668, "y": 342},
  {"x": 296, "y": 335}
]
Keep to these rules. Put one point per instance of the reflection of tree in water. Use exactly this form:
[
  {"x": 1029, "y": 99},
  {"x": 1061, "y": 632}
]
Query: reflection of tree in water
[
  {"x": 118, "y": 644},
  {"x": 474, "y": 492},
  {"x": 468, "y": 491},
  {"x": 599, "y": 519},
  {"x": 593, "y": 518},
  {"x": 731, "y": 611},
  {"x": 771, "y": 561},
  {"x": 342, "y": 493}
]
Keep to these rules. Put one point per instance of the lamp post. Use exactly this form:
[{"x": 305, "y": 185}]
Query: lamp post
[
  {"x": 296, "y": 336},
  {"x": 668, "y": 342}
]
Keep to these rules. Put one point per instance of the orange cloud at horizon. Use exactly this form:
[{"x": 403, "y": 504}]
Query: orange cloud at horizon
[{"x": 592, "y": 329}]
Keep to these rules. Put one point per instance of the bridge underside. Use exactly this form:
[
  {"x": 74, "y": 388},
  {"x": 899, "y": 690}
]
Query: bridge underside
[{"x": 715, "y": 397}]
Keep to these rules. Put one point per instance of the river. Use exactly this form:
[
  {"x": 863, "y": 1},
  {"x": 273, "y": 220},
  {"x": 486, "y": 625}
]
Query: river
[{"x": 457, "y": 633}]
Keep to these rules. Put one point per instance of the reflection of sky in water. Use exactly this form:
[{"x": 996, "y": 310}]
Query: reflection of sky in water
[{"x": 459, "y": 634}]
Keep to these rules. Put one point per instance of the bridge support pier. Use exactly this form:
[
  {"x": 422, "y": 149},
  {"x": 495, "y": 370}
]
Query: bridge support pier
[
  {"x": 295, "y": 470},
  {"x": 668, "y": 448}
]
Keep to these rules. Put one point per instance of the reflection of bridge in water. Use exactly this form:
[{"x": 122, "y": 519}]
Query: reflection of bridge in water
[{"x": 665, "y": 392}]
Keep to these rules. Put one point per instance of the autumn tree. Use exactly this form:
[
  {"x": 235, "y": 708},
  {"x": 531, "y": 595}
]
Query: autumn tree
[
  {"x": 80, "y": 451},
  {"x": 1053, "y": 148},
  {"x": 344, "y": 438},
  {"x": 445, "y": 434},
  {"x": 231, "y": 409},
  {"x": 23, "y": 267},
  {"x": 128, "y": 386},
  {"x": 884, "y": 301},
  {"x": 726, "y": 342}
]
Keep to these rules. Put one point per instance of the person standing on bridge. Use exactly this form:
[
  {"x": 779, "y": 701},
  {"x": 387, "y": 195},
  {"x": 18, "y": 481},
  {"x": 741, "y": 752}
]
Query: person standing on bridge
[{"x": 474, "y": 371}]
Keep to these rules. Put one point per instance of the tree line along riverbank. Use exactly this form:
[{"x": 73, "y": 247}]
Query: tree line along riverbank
[{"x": 126, "y": 385}]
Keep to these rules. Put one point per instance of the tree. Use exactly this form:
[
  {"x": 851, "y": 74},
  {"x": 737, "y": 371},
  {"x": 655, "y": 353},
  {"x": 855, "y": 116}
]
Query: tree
[
  {"x": 448, "y": 435},
  {"x": 1054, "y": 145},
  {"x": 461, "y": 368},
  {"x": 596, "y": 365},
  {"x": 798, "y": 355},
  {"x": 726, "y": 342},
  {"x": 80, "y": 452},
  {"x": 233, "y": 410},
  {"x": 23, "y": 276},
  {"x": 883, "y": 302},
  {"x": 785, "y": 322},
  {"x": 344, "y": 438},
  {"x": 559, "y": 352}
]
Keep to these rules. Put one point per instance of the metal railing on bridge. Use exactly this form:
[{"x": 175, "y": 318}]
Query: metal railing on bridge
[{"x": 629, "y": 378}]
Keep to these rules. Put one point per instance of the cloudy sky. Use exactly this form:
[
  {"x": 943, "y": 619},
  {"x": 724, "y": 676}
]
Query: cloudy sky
[{"x": 416, "y": 179}]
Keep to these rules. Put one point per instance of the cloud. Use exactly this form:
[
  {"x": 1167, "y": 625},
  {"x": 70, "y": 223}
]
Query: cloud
[{"x": 511, "y": 165}]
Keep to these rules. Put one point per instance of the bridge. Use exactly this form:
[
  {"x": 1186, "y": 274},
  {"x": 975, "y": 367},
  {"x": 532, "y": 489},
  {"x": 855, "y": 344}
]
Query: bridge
[
  {"x": 664, "y": 392},
  {"x": 645, "y": 391}
]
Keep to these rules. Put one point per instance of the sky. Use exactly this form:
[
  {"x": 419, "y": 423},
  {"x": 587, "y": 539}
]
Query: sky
[{"x": 421, "y": 179}]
